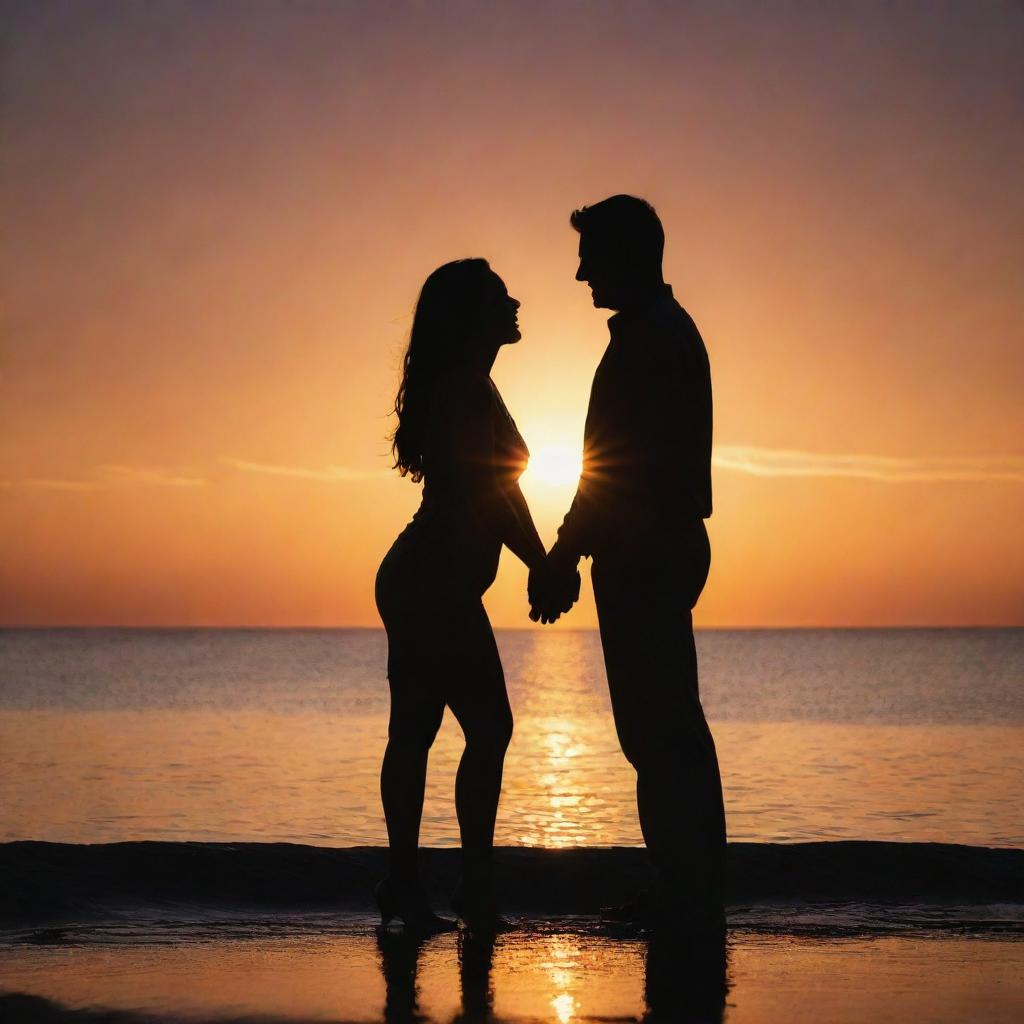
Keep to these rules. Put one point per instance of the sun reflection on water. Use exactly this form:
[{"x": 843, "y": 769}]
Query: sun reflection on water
[
  {"x": 564, "y": 1007},
  {"x": 564, "y": 761},
  {"x": 559, "y": 785},
  {"x": 562, "y": 967}
]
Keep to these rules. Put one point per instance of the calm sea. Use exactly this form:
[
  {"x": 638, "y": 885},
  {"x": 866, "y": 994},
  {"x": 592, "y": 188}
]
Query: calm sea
[{"x": 277, "y": 735}]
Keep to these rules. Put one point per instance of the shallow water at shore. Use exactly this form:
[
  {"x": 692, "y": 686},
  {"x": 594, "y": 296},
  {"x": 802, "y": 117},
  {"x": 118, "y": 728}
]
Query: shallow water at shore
[
  {"x": 108, "y": 735},
  {"x": 313, "y": 778},
  {"x": 551, "y": 973}
]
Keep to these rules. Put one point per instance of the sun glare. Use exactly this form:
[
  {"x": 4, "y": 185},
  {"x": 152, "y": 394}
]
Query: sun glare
[{"x": 558, "y": 465}]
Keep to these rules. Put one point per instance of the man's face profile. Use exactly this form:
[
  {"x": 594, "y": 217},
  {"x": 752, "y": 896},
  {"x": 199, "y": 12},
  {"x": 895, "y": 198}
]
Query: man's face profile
[{"x": 597, "y": 271}]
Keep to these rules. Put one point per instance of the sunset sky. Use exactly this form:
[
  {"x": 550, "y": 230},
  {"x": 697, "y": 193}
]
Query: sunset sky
[{"x": 216, "y": 218}]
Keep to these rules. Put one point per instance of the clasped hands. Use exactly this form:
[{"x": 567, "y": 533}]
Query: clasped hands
[{"x": 554, "y": 587}]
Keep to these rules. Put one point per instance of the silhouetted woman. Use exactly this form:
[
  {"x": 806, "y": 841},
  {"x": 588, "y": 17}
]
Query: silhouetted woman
[{"x": 455, "y": 434}]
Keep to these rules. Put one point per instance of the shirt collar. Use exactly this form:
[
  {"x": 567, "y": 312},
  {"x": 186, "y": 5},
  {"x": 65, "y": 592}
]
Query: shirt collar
[{"x": 625, "y": 321}]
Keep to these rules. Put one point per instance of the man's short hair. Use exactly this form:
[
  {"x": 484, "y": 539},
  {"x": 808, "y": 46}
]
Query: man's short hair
[{"x": 626, "y": 222}]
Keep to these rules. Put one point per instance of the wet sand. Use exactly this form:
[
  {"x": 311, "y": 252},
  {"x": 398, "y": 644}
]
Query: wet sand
[{"x": 559, "y": 971}]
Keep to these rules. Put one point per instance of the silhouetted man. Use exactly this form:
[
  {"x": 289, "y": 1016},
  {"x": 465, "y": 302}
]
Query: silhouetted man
[{"x": 639, "y": 512}]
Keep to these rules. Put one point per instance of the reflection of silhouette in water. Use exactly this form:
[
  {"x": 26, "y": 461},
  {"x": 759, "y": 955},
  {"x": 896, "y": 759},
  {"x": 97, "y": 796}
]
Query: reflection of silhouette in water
[
  {"x": 399, "y": 962},
  {"x": 476, "y": 959},
  {"x": 686, "y": 980}
]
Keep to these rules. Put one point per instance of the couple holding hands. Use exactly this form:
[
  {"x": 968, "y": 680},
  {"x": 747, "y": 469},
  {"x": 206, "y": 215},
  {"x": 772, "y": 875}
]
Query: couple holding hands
[{"x": 638, "y": 513}]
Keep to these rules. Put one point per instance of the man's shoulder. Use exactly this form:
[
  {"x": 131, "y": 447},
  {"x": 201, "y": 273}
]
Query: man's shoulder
[
  {"x": 672, "y": 337},
  {"x": 674, "y": 320}
]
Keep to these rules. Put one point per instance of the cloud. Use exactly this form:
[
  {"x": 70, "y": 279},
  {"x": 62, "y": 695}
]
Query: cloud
[
  {"x": 147, "y": 475},
  {"x": 46, "y": 484},
  {"x": 756, "y": 461},
  {"x": 783, "y": 462},
  {"x": 107, "y": 475},
  {"x": 327, "y": 474}
]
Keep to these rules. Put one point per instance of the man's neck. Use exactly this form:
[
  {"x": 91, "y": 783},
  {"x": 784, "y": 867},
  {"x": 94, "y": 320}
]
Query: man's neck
[
  {"x": 636, "y": 310},
  {"x": 643, "y": 297}
]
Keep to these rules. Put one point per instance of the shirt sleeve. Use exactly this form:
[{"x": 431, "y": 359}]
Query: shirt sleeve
[
  {"x": 581, "y": 530},
  {"x": 635, "y": 451},
  {"x": 591, "y": 515}
]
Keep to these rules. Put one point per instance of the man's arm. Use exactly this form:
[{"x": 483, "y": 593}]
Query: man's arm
[
  {"x": 612, "y": 455},
  {"x": 584, "y": 524}
]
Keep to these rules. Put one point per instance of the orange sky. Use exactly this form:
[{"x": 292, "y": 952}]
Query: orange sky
[{"x": 216, "y": 218}]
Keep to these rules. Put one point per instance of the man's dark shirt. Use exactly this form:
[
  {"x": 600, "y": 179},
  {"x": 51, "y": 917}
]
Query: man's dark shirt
[{"x": 647, "y": 440}]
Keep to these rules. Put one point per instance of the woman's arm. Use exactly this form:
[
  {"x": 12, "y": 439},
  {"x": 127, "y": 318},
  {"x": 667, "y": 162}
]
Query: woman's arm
[
  {"x": 465, "y": 419},
  {"x": 528, "y": 530}
]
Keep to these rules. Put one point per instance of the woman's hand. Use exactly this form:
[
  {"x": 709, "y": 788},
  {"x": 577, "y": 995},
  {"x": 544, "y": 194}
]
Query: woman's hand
[{"x": 553, "y": 588}]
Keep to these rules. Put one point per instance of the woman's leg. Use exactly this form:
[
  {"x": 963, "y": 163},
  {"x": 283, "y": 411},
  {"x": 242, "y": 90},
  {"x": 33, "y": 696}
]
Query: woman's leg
[
  {"x": 416, "y": 712},
  {"x": 479, "y": 701},
  {"x": 403, "y": 776}
]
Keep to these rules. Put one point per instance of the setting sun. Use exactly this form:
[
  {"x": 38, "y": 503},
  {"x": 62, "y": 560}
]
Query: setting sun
[{"x": 558, "y": 465}]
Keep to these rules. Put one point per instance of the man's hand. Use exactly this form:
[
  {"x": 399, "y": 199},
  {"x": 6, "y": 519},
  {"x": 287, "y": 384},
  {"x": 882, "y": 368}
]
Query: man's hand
[{"x": 554, "y": 587}]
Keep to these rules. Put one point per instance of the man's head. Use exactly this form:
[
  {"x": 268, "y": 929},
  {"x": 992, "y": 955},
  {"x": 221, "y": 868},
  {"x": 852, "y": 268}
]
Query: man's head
[{"x": 621, "y": 246}]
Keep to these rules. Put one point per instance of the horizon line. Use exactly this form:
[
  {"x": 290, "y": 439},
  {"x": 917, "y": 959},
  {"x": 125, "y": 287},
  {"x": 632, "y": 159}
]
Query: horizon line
[{"x": 36, "y": 627}]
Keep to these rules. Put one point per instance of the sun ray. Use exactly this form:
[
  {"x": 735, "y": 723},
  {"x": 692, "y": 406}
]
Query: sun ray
[{"x": 556, "y": 465}]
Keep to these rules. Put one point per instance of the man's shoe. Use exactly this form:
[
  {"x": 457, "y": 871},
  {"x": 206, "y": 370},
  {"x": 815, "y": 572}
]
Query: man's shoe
[
  {"x": 640, "y": 910},
  {"x": 657, "y": 911}
]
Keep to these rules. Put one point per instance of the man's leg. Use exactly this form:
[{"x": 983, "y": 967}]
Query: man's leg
[
  {"x": 647, "y": 636},
  {"x": 679, "y": 785}
]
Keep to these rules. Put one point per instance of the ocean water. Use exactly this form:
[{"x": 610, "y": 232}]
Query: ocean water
[{"x": 276, "y": 735}]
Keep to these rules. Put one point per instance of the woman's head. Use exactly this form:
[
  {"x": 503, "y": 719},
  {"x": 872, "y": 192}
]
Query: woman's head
[{"x": 463, "y": 316}]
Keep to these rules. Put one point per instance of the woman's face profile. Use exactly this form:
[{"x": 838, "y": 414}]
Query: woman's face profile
[{"x": 499, "y": 321}]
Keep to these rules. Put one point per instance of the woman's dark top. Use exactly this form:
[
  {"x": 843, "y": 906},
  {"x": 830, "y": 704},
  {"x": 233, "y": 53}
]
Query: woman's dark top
[{"x": 472, "y": 460}]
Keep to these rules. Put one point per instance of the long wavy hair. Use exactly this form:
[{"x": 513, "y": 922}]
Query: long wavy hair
[{"x": 447, "y": 317}]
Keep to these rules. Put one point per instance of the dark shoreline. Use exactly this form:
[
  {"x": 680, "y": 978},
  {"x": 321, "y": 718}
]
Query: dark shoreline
[{"x": 54, "y": 883}]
